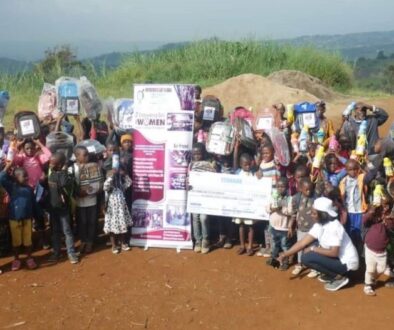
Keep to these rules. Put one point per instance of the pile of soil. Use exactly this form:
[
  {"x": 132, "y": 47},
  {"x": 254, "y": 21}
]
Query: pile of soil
[
  {"x": 250, "y": 90},
  {"x": 303, "y": 81}
]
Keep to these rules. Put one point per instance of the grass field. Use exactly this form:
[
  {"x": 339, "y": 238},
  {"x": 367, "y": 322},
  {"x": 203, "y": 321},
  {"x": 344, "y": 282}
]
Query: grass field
[{"x": 204, "y": 63}]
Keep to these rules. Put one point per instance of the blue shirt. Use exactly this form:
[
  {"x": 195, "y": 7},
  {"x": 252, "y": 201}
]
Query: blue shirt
[{"x": 23, "y": 201}]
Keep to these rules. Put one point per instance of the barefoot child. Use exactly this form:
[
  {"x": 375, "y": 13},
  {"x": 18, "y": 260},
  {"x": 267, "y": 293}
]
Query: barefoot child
[{"x": 22, "y": 207}]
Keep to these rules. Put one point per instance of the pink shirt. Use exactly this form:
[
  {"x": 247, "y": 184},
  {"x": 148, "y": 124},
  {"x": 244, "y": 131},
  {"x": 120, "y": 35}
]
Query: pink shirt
[{"x": 33, "y": 165}]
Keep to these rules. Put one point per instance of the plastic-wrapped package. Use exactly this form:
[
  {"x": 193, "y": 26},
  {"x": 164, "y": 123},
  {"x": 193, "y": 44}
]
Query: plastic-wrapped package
[
  {"x": 221, "y": 138},
  {"x": 94, "y": 147},
  {"x": 243, "y": 113},
  {"x": 203, "y": 166},
  {"x": 89, "y": 98},
  {"x": 4, "y": 99},
  {"x": 27, "y": 125},
  {"x": 281, "y": 147},
  {"x": 266, "y": 119},
  {"x": 245, "y": 133},
  {"x": 305, "y": 114},
  {"x": 67, "y": 93},
  {"x": 122, "y": 115},
  {"x": 211, "y": 109},
  {"x": 60, "y": 141},
  {"x": 47, "y": 104}
]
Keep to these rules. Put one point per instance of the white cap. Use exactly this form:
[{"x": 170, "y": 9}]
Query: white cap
[{"x": 325, "y": 205}]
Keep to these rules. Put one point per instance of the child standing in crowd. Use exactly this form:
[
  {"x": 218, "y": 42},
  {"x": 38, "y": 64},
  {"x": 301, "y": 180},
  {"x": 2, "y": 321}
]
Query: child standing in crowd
[
  {"x": 332, "y": 172},
  {"x": 33, "y": 156},
  {"x": 377, "y": 222},
  {"x": 353, "y": 189},
  {"x": 280, "y": 210},
  {"x": 267, "y": 169},
  {"x": 245, "y": 163},
  {"x": 117, "y": 216},
  {"x": 60, "y": 194},
  {"x": 302, "y": 219},
  {"x": 200, "y": 222},
  {"x": 86, "y": 210},
  {"x": 22, "y": 207}
]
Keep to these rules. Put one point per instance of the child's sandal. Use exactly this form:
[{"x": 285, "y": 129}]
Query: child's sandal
[
  {"x": 241, "y": 250},
  {"x": 249, "y": 252},
  {"x": 369, "y": 291}
]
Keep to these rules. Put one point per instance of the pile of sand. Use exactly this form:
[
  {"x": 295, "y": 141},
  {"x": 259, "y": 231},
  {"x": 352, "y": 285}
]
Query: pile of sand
[
  {"x": 300, "y": 80},
  {"x": 250, "y": 90}
]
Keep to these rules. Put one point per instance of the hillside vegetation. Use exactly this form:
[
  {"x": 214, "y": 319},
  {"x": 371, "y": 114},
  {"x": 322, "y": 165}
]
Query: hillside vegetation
[{"x": 204, "y": 63}]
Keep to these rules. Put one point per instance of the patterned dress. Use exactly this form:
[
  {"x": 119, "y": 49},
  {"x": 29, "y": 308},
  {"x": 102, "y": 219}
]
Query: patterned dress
[{"x": 117, "y": 215}]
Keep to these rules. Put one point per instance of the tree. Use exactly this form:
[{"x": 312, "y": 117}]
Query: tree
[
  {"x": 381, "y": 55},
  {"x": 388, "y": 75},
  {"x": 61, "y": 60}
]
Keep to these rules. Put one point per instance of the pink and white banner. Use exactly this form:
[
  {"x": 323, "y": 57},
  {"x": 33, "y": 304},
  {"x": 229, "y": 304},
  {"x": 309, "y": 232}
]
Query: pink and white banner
[{"x": 163, "y": 136}]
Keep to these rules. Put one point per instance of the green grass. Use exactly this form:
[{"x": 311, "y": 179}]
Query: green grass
[{"x": 203, "y": 62}]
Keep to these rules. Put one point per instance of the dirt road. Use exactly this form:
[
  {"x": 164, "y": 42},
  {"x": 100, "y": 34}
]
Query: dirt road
[{"x": 160, "y": 289}]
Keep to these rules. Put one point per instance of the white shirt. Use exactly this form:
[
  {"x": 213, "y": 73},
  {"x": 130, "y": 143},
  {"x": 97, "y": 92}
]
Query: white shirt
[{"x": 331, "y": 234}]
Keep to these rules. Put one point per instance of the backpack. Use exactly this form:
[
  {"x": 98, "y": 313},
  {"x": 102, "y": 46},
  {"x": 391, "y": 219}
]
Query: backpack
[
  {"x": 89, "y": 98},
  {"x": 221, "y": 138},
  {"x": 27, "y": 125},
  {"x": 102, "y": 132},
  {"x": 243, "y": 113},
  {"x": 305, "y": 114},
  {"x": 245, "y": 133},
  {"x": 122, "y": 115},
  {"x": 210, "y": 110},
  {"x": 4, "y": 99},
  {"x": 60, "y": 141},
  {"x": 47, "y": 107},
  {"x": 67, "y": 93},
  {"x": 266, "y": 120}
]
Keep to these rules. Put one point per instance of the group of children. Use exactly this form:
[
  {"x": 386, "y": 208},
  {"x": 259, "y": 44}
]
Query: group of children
[
  {"x": 356, "y": 185},
  {"x": 38, "y": 187},
  {"x": 41, "y": 189}
]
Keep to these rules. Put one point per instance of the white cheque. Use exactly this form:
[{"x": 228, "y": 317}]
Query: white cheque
[{"x": 229, "y": 195}]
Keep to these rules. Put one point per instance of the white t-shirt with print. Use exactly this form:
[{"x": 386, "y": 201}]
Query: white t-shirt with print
[{"x": 331, "y": 234}]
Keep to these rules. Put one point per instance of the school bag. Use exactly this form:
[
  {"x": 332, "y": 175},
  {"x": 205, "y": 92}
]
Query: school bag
[
  {"x": 89, "y": 98},
  {"x": 94, "y": 147},
  {"x": 221, "y": 138},
  {"x": 60, "y": 141},
  {"x": 27, "y": 125},
  {"x": 281, "y": 146},
  {"x": 4, "y": 99},
  {"x": 122, "y": 115},
  {"x": 47, "y": 105},
  {"x": 305, "y": 114},
  {"x": 102, "y": 132},
  {"x": 245, "y": 133},
  {"x": 67, "y": 93},
  {"x": 266, "y": 119},
  {"x": 243, "y": 113},
  {"x": 211, "y": 109}
]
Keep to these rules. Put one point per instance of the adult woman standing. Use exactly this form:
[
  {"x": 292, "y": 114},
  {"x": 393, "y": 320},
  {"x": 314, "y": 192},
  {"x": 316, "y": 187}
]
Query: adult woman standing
[{"x": 335, "y": 255}]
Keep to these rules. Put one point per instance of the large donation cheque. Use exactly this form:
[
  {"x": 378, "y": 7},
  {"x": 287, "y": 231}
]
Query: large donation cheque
[
  {"x": 229, "y": 195},
  {"x": 163, "y": 136}
]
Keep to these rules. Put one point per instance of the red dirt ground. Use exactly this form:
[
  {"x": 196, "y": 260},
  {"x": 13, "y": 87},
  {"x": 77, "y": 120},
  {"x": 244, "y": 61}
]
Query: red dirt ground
[{"x": 160, "y": 289}]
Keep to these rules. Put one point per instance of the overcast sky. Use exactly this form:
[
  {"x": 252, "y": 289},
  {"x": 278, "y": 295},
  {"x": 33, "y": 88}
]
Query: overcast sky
[{"x": 74, "y": 21}]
